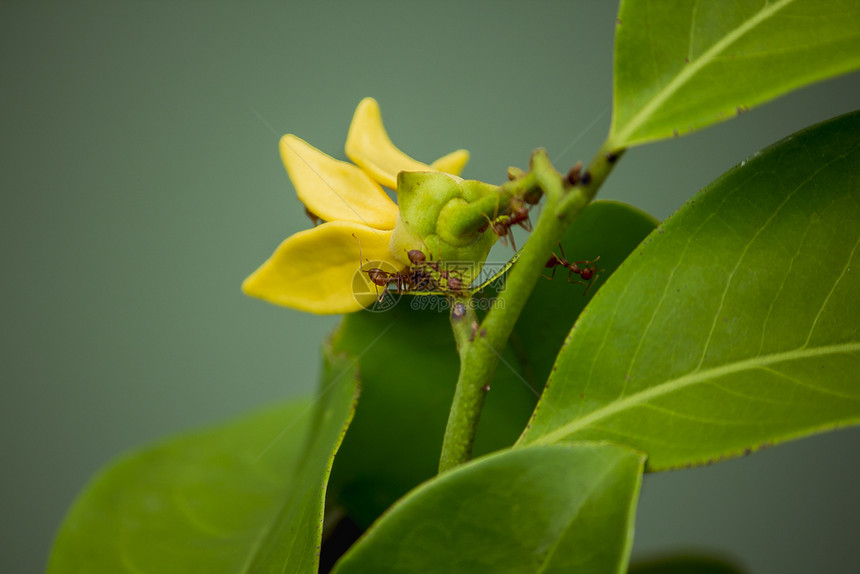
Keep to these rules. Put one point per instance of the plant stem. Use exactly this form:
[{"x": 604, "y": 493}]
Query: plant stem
[
  {"x": 480, "y": 347},
  {"x": 468, "y": 398}
]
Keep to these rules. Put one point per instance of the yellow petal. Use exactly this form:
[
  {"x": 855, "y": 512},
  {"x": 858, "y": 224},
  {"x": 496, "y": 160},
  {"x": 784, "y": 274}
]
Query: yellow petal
[
  {"x": 452, "y": 163},
  {"x": 335, "y": 190},
  {"x": 318, "y": 270},
  {"x": 369, "y": 146}
]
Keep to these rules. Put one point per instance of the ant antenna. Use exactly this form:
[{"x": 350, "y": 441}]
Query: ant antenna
[{"x": 360, "y": 264}]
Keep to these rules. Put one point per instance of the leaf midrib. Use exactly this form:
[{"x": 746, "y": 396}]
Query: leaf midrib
[
  {"x": 688, "y": 72},
  {"x": 679, "y": 383}
]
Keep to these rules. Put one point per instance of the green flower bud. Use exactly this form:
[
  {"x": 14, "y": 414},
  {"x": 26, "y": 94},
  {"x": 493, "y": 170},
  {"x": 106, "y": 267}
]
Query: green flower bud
[{"x": 438, "y": 219}]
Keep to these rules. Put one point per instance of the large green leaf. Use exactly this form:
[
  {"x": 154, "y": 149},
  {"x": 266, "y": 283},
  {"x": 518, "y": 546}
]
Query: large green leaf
[
  {"x": 242, "y": 497},
  {"x": 736, "y": 324},
  {"x": 685, "y": 64},
  {"x": 409, "y": 367},
  {"x": 606, "y": 229},
  {"x": 558, "y": 508}
]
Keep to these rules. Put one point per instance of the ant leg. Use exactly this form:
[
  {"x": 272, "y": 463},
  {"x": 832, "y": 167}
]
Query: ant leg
[
  {"x": 526, "y": 224},
  {"x": 590, "y": 283},
  {"x": 504, "y": 239},
  {"x": 587, "y": 284},
  {"x": 589, "y": 263},
  {"x": 552, "y": 275}
]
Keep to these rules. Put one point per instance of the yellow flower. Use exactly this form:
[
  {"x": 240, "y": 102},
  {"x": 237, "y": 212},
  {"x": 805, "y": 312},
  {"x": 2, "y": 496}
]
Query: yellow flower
[{"x": 315, "y": 270}]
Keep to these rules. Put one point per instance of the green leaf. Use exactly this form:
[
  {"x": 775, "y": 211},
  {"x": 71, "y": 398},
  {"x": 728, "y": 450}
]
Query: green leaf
[
  {"x": 409, "y": 367},
  {"x": 735, "y": 324},
  {"x": 681, "y": 65},
  {"x": 559, "y": 508},
  {"x": 685, "y": 565},
  {"x": 242, "y": 497},
  {"x": 609, "y": 230}
]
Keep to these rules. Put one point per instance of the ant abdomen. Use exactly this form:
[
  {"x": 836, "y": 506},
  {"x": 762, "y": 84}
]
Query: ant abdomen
[
  {"x": 378, "y": 276},
  {"x": 454, "y": 283},
  {"x": 416, "y": 256}
]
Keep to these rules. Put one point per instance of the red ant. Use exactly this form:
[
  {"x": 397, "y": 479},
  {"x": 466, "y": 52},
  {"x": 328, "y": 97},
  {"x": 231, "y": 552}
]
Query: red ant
[
  {"x": 418, "y": 260},
  {"x": 380, "y": 278},
  {"x": 518, "y": 214},
  {"x": 383, "y": 279},
  {"x": 412, "y": 278},
  {"x": 586, "y": 269}
]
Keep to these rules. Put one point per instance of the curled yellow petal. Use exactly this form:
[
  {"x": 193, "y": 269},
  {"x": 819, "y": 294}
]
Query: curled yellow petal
[
  {"x": 335, "y": 190},
  {"x": 369, "y": 146},
  {"x": 452, "y": 163},
  {"x": 318, "y": 270}
]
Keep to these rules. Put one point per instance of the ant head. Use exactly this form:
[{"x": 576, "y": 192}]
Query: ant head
[
  {"x": 500, "y": 228},
  {"x": 586, "y": 273}
]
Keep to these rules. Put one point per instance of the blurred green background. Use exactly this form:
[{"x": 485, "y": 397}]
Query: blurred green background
[{"x": 141, "y": 183}]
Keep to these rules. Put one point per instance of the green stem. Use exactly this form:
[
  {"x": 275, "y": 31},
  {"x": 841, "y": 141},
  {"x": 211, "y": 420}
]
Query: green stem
[
  {"x": 479, "y": 355},
  {"x": 468, "y": 398}
]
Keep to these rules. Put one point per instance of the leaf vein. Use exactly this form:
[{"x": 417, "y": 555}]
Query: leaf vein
[
  {"x": 804, "y": 384},
  {"x": 830, "y": 293},
  {"x": 689, "y": 379},
  {"x": 701, "y": 419},
  {"x": 748, "y": 397},
  {"x": 731, "y": 275},
  {"x": 782, "y": 285},
  {"x": 696, "y": 65},
  {"x": 656, "y": 308},
  {"x": 606, "y": 332}
]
